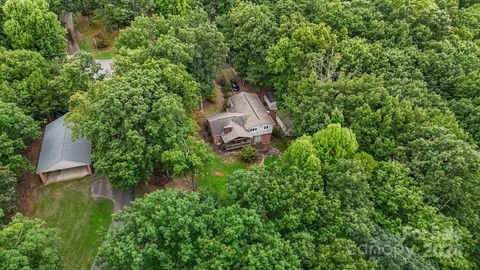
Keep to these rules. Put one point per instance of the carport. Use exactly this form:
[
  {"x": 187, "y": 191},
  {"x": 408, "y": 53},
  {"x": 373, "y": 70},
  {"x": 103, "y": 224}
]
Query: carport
[{"x": 61, "y": 158}]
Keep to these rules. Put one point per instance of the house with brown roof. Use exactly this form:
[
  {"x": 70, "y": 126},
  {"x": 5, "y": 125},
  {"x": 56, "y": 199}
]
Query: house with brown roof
[{"x": 246, "y": 122}]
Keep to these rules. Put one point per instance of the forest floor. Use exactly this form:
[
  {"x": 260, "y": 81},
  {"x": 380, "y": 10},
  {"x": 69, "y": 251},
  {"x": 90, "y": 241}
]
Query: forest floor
[
  {"x": 92, "y": 36},
  {"x": 30, "y": 182},
  {"x": 79, "y": 220}
]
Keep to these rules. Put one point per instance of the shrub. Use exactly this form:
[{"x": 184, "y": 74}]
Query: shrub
[
  {"x": 249, "y": 154},
  {"x": 277, "y": 132},
  {"x": 212, "y": 96},
  {"x": 222, "y": 82}
]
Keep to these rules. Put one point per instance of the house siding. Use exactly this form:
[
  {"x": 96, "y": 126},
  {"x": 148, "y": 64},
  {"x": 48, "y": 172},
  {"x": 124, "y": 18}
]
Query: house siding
[{"x": 261, "y": 130}]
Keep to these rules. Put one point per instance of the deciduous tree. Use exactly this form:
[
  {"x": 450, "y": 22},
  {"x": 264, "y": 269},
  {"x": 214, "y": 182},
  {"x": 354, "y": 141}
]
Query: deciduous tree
[
  {"x": 250, "y": 30},
  {"x": 30, "y": 25},
  {"x": 28, "y": 244},
  {"x": 171, "y": 230},
  {"x": 131, "y": 120},
  {"x": 7, "y": 192},
  {"x": 16, "y": 131}
]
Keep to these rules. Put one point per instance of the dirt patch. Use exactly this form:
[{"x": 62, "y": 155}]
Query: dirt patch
[
  {"x": 180, "y": 184},
  {"x": 218, "y": 173},
  {"x": 29, "y": 182}
]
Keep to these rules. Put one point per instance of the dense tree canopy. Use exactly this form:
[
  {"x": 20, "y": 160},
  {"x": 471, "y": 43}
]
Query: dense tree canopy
[
  {"x": 249, "y": 30},
  {"x": 16, "y": 131},
  {"x": 42, "y": 88},
  {"x": 133, "y": 119},
  {"x": 382, "y": 170},
  {"x": 172, "y": 230},
  {"x": 192, "y": 41},
  {"x": 28, "y": 244},
  {"x": 7, "y": 192},
  {"x": 119, "y": 13},
  {"x": 28, "y": 24}
]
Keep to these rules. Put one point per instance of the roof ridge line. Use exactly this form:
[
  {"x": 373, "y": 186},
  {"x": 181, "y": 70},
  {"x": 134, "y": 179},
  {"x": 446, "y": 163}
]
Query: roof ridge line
[
  {"x": 63, "y": 139},
  {"x": 245, "y": 95}
]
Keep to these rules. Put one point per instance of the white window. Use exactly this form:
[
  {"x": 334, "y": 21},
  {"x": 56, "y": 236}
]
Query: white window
[
  {"x": 265, "y": 127},
  {"x": 253, "y": 129}
]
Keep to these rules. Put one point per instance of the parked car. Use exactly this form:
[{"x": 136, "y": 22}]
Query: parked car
[{"x": 235, "y": 85}]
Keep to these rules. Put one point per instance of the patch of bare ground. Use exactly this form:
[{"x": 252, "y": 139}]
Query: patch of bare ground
[
  {"x": 219, "y": 173},
  {"x": 161, "y": 181},
  {"x": 180, "y": 184},
  {"x": 29, "y": 182}
]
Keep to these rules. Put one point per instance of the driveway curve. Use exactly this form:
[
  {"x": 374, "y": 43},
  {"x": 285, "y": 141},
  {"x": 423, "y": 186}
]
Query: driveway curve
[{"x": 120, "y": 197}]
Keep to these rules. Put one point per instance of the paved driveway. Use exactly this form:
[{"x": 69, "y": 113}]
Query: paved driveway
[
  {"x": 120, "y": 197},
  {"x": 105, "y": 67}
]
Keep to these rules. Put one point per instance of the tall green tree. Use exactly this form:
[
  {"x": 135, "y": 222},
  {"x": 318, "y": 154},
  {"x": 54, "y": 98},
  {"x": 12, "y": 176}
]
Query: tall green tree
[
  {"x": 250, "y": 30},
  {"x": 41, "y": 87},
  {"x": 24, "y": 81},
  {"x": 342, "y": 254},
  {"x": 119, "y": 13},
  {"x": 334, "y": 142},
  {"x": 467, "y": 112},
  {"x": 16, "y": 131},
  {"x": 172, "y": 230},
  {"x": 311, "y": 48},
  {"x": 447, "y": 169},
  {"x": 131, "y": 120},
  {"x": 189, "y": 156},
  {"x": 28, "y": 244},
  {"x": 192, "y": 41},
  {"x": 30, "y": 25},
  {"x": 7, "y": 192}
]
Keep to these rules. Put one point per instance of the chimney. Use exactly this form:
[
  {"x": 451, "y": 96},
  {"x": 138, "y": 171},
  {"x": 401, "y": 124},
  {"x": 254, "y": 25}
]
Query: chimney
[{"x": 227, "y": 129}]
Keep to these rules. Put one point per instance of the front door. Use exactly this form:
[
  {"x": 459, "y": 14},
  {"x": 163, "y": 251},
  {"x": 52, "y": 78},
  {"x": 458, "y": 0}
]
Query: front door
[{"x": 258, "y": 139}]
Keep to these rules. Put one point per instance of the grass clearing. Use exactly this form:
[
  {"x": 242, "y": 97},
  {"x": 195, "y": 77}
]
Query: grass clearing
[
  {"x": 79, "y": 220},
  {"x": 215, "y": 174},
  {"x": 269, "y": 160},
  {"x": 88, "y": 31}
]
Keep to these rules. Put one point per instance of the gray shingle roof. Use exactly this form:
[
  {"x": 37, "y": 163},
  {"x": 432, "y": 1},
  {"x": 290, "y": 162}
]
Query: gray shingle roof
[
  {"x": 59, "y": 151},
  {"x": 237, "y": 132},
  {"x": 219, "y": 121},
  {"x": 250, "y": 104}
]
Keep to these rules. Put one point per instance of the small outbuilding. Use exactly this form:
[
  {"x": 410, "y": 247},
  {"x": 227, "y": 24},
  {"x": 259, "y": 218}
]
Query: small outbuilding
[
  {"x": 62, "y": 158},
  {"x": 270, "y": 100}
]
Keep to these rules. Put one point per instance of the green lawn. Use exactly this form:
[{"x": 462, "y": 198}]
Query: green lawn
[
  {"x": 269, "y": 160},
  {"x": 216, "y": 173},
  {"x": 79, "y": 220}
]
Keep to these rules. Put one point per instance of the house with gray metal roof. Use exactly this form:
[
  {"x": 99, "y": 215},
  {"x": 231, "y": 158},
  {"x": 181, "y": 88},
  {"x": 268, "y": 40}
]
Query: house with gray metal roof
[
  {"x": 246, "y": 122},
  {"x": 61, "y": 157}
]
